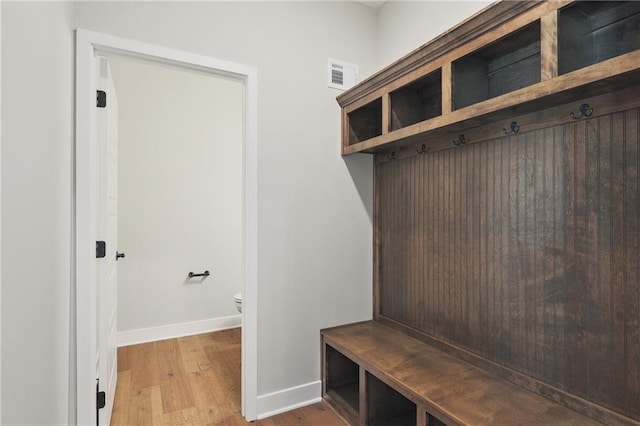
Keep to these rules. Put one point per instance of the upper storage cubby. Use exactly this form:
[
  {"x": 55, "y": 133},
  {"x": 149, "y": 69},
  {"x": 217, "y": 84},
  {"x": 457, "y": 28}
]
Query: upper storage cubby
[
  {"x": 594, "y": 31},
  {"x": 417, "y": 101},
  {"x": 509, "y": 64},
  {"x": 365, "y": 122}
]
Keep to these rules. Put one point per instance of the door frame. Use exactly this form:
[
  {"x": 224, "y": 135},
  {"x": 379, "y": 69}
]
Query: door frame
[{"x": 88, "y": 44}]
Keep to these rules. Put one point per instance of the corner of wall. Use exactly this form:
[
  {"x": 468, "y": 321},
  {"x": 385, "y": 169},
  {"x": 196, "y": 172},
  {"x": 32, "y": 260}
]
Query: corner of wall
[
  {"x": 402, "y": 26},
  {"x": 289, "y": 399}
]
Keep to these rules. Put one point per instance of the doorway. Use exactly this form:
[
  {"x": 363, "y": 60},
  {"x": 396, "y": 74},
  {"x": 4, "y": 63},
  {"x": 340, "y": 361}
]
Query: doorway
[
  {"x": 179, "y": 204},
  {"x": 90, "y": 44},
  {"x": 179, "y": 200}
]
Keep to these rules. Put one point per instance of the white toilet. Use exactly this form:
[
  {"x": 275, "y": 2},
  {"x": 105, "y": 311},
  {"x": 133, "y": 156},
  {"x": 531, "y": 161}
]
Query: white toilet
[{"x": 238, "y": 301}]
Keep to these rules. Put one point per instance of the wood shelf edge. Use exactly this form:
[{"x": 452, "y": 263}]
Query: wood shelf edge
[{"x": 608, "y": 103}]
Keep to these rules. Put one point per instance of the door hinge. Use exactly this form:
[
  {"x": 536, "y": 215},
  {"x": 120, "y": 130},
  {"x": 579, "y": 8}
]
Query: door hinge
[
  {"x": 102, "y": 399},
  {"x": 101, "y": 249},
  {"x": 101, "y": 99}
]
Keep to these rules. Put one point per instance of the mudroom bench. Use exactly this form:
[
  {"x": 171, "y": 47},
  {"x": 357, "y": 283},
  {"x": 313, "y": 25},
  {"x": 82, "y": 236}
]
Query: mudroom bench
[
  {"x": 375, "y": 375},
  {"x": 506, "y": 192}
]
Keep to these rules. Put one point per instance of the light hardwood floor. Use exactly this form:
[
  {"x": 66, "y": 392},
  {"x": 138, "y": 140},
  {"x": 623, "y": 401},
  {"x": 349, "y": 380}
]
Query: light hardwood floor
[{"x": 192, "y": 381}]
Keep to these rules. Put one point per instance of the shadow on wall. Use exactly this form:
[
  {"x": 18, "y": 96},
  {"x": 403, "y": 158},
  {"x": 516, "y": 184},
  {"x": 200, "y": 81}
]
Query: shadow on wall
[{"x": 360, "y": 168}]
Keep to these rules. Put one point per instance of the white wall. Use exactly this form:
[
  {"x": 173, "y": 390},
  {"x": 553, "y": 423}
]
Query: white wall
[
  {"x": 37, "y": 140},
  {"x": 180, "y": 195},
  {"x": 314, "y": 207},
  {"x": 406, "y": 25},
  {"x": 0, "y": 216},
  {"x": 314, "y": 221}
]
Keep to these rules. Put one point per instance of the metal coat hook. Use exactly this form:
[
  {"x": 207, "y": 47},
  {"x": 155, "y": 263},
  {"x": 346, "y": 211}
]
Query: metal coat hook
[
  {"x": 423, "y": 149},
  {"x": 392, "y": 156},
  {"x": 514, "y": 128},
  {"x": 585, "y": 111},
  {"x": 461, "y": 140}
]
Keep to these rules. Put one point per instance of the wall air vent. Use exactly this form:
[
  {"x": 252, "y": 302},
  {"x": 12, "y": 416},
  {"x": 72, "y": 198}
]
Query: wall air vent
[{"x": 342, "y": 75}]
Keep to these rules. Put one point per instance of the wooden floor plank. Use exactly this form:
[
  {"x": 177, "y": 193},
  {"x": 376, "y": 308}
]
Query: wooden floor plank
[
  {"x": 193, "y": 381},
  {"x": 140, "y": 411},
  {"x": 144, "y": 366},
  {"x": 174, "y": 383},
  {"x": 210, "y": 397},
  {"x": 194, "y": 358},
  {"x": 188, "y": 416},
  {"x": 225, "y": 364},
  {"x": 120, "y": 413},
  {"x": 124, "y": 358},
  {"x": 157, "y": 411}
]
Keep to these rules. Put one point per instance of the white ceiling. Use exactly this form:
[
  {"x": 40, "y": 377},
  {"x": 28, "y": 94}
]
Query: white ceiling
[{"x": 372, "y": 3}]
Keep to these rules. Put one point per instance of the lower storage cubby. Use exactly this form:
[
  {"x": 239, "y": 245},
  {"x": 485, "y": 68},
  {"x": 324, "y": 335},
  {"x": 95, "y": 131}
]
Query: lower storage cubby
[
  {"x": 386, "y": 406},
  {"x": 342, "y": 382},
  {"x": 433, "y": 421}
]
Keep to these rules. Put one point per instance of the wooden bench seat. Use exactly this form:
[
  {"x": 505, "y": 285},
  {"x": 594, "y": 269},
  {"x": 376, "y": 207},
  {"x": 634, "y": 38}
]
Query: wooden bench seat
[{"x": 442, "y": 387}]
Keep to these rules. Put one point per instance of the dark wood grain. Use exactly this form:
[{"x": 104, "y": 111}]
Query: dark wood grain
[
  {"x": 593, "y": 308},
  {"x": 619, "y": 284},
  {"x": 524, "y": 251},
  {"x": 632, "y": 250}
]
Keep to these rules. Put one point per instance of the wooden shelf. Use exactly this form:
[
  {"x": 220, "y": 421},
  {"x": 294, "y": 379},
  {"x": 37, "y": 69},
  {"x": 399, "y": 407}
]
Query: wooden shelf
[
  {"x": 610, "y": 75},
  {"x": 524, "y": 57}
]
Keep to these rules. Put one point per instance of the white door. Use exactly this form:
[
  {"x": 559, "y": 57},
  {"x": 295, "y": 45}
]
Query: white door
[{"x": 107, "y": 230}]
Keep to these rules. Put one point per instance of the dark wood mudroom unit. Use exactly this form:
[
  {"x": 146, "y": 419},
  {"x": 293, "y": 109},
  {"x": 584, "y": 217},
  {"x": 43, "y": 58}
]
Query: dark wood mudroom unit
[{"x": 506, "y": 225}]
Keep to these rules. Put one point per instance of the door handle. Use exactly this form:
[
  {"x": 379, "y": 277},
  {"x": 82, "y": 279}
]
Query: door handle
[{"x": 119, "y": 255}]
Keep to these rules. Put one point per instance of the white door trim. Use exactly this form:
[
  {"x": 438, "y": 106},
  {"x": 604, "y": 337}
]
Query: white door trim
[
  {"x": 87, "y": 44},
  {"x": 0, "y": 222}
]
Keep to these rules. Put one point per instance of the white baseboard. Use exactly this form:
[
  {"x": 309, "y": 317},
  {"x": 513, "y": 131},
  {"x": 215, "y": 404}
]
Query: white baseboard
[
  {"x": 171, "y": 331},
  {"x": 289, "y": 399}
]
